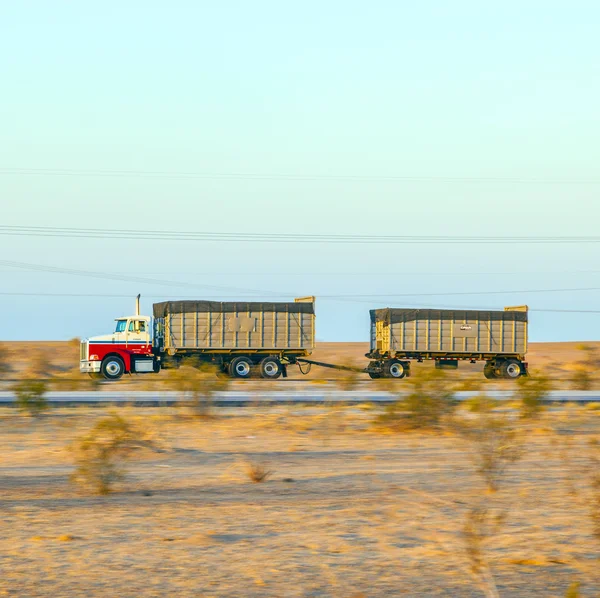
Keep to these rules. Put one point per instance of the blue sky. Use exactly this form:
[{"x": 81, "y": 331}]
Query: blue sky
[{"x": 503, "y": 93}]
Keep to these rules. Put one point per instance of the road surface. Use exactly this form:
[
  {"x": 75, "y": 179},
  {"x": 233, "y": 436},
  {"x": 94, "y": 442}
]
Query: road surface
[{"x": 284, "y": 396}]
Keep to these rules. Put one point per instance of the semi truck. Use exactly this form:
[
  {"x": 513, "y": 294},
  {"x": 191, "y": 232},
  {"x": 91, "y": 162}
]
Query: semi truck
[
  {"x": 240, "y": 338},
  {"x": 245, "y": 339}
]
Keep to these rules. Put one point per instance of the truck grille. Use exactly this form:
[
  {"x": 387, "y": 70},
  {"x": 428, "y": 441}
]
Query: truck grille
[{"x": 83, "y": 351}]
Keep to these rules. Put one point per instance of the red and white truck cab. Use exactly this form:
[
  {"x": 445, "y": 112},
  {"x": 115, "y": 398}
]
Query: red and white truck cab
[{"x": 127, "y": 349}]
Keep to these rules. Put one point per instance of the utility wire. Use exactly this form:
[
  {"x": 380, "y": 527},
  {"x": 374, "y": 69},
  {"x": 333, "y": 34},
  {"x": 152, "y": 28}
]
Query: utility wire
[
  {"x": 243, "y": 299},
  {"x": 387, "y": 275},
  {"x": 238, "y": 237},
  {"x": 256, "y": 176},
  {"x": 370, "y": 296},
  {"x": 119, "y": 277}
]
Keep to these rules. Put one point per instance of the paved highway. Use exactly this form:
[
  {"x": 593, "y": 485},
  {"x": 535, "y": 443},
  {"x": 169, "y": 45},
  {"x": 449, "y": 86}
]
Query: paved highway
[{"x": 283, "y": 396}]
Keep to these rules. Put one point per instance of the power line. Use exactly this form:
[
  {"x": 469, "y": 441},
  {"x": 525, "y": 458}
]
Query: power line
[
  {"x": 119, "y": 277},
  {"x": 370, "y": 296},
  {"x": 256, "y": 176},
  {"x": 239, "y": 237},
  {"x": 241, "y": 298},
  {"x": 389, "y": 274}
]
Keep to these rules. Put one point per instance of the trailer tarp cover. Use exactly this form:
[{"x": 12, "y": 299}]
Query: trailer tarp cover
[
  {"x": 186, "y": 307},
  {"x": 391, "y": 315}
]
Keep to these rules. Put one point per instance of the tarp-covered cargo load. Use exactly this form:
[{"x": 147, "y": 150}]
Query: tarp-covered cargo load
[
  {"x": 214, "y": 325},
  {"x": 449, "y": 331}
]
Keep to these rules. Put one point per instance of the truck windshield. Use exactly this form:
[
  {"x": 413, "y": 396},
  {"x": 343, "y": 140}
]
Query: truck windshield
[{"x": 121, "y": 325}]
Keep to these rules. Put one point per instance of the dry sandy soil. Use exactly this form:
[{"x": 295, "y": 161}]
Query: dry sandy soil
[
  {"x": 350, "y": 509},
  {"x": 61, "y": 361}
]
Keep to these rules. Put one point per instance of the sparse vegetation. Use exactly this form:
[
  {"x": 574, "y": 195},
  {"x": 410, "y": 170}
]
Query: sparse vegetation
[
  {"x": 594, "y": 486},
  {"x": 5, "y": 364},
  {"x": 100, "y": 454},
  {"x": 531, "y": 391},
  {"x": 573, "y": 590},
  {"x": 428, "y": 402},
  {"x": 404, "y": 497},
  {"x": 480, "y": 525},
  {"x": 258, "y": 472},
  {"x": 198, "y": 382},
  {"x": 349, "y": 379},
  {"x": 583, "y": 370},
  {"x": 493, "y": 440},
  {"x": 39, "y": 365},
  {"x": 31, "y": 396}
]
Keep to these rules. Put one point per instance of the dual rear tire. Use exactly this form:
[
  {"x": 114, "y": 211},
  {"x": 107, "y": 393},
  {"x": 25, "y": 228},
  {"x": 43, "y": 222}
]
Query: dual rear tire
[
  {"x": 509, "y": 369},
  {"x": 269, "y": 368}
]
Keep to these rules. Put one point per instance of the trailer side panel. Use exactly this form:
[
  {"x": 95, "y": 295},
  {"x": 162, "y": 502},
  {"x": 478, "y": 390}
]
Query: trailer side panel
[{"x": 449, "y": 332}]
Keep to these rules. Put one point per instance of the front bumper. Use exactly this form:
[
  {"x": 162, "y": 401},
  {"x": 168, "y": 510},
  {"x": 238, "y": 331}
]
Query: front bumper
[{"x": 89, "y": 367}]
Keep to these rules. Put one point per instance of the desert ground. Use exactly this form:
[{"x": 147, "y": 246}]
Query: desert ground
[{"x": 352, "y": 508}]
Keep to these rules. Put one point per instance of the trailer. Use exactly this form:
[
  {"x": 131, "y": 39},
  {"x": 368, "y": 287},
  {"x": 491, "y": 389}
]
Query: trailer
[
  {"x": 240, "y": 338},
  {"x": 448, "y": 336}
]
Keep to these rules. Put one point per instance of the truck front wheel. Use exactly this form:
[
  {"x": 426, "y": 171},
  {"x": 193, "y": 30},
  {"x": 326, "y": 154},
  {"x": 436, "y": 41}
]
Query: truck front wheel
[{"x": 112, "y": 367}]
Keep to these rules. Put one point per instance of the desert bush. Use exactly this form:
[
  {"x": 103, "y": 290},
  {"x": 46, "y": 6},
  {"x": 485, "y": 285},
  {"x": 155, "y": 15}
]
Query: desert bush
[
  {"x": 493, "y": 440},
  {"x": 480, "y": 403},
  {"x": 258, "y": 472},
  {"x": 480, "y": 525},
  {"x": 531, "y": 391},
  {"x": 5, "y": 365},
  {"x": 470, "y": 383},
  {"x": 30, "y": 396},
  {"x": 198, "y": 382},
  {"x": 428, "y": 402},
  {"x": 594, "y": 486},
  {"x": 581, "y": 377},
  {"x": 583, "y": 370},
  {"x": 100, "y": 454},
  {"x": 349, "y": 379},
  {"x": 39, "y": 366}
]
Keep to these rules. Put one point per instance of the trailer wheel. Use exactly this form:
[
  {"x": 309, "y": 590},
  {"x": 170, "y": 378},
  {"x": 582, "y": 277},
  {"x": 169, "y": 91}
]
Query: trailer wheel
[
  {"x": 374, "y": 375},
  {"x": 489, "y": 371},
  {"x": 270, "y": 368},
  {"x": 240, "y": 367},
  {"x": 511, "y": 369},
  {"x": 394, "y": 369},
  {"x": 112, "y": 367}
]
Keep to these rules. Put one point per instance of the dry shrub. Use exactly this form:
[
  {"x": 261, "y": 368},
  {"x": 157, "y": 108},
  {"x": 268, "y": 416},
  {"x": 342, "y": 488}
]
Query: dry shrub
[
  {"x": 480, "y": 525},
  {"x": 573, "y": 590},
  {"x": 583, "y": 370},
  {"x": 30, "y": 396},
  {"x": 470, "y": 383},
  {"x": 39, "y": 366},
  {"x": 5, "y": 359},
  {"x": 531, "y": 391},
  {"x": 258, "y": 472},
  {"x": 349, "y": 379},
  {"x": 100, "y": 454},
  {"x": 493, "y": 441},
  {"x": 198, "y": 382},
  {"x": 594, "y": 486},
  {"x": 480, "y": 403},
  {"x": 430, "y": 399}
]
